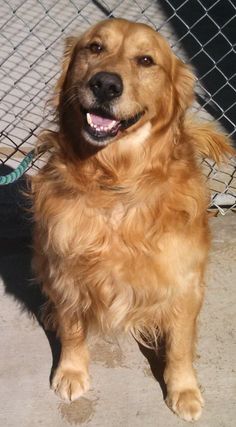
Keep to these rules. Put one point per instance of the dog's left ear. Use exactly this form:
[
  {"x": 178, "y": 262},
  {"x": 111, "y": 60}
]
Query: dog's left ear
[
  {"x": 184, "y": 81},
  {"x": 70, "y": 43}
]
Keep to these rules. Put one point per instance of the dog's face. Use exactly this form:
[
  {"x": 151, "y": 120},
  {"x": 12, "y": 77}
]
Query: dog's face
[{"x": 118, "y": 76}]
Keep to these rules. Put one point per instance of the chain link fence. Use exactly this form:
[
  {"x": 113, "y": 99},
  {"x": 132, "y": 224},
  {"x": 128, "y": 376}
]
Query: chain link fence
[{"x": 201, "y": 32}]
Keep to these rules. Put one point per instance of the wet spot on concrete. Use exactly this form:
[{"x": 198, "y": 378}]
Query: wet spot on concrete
[
  {"x": 108, "y": 354},
  {"x": 78, "y": 412}
]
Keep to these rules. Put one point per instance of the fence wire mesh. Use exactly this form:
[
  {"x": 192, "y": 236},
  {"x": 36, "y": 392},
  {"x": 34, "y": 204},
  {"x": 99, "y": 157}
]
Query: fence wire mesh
[{"x": 201, "y": 32}]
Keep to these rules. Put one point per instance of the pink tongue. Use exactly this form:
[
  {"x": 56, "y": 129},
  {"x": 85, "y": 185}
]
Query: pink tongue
[{"x": 100, "y": 121}]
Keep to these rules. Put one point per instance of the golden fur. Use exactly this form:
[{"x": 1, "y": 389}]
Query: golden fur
[{"x": 121, "y": 232}]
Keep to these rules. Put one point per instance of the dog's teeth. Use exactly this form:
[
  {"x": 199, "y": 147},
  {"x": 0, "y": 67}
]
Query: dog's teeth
[
  {"x": 89, "y": 120},
  {"x": 112, "y": 124},
  {"x": 97, "y": 127}
]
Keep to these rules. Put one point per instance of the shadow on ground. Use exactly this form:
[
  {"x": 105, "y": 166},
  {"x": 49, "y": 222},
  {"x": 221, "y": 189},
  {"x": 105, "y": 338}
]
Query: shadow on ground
[
  {"x": 16, "y": 255},
  {"x": 156, "y": 360}
]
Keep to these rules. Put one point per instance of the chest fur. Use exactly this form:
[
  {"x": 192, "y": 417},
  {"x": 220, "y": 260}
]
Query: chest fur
[{"x": 115, "y": 259}]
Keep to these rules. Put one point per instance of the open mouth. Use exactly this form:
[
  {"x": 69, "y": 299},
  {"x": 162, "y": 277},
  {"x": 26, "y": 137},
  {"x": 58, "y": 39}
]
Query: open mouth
[{"x": 101, "y": 127}]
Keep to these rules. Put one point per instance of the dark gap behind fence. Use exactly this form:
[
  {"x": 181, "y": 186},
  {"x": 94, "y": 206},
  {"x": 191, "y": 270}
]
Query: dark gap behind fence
[{"x": 217, "y": 58}]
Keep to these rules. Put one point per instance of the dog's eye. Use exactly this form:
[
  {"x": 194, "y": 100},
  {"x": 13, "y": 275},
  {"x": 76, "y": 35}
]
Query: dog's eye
[
  {"x": 145, "y": 61},
  {"x": 95, "y": 47}
]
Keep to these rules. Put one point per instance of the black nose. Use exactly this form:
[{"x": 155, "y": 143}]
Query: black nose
[{"x": 106, "y": 86}]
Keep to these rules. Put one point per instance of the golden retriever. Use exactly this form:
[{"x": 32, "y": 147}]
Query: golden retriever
[{"x": 120, "y": 209}]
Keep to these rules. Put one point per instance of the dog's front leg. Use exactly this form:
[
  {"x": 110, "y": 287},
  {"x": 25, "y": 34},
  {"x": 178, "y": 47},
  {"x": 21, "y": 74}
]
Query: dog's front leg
[
  {"x": 71, "y": 378},
  {"x": 183, "y": 394}
]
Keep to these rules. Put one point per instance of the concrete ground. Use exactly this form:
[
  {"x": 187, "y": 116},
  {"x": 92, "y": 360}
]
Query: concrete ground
[{"x": 124, "y": 391}]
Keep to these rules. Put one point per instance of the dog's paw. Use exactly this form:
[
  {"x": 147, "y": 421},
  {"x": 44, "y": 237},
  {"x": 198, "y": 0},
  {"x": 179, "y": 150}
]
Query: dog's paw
[
  {"x": 186, "y": 404},
  {"x": 70, "y": 384}
]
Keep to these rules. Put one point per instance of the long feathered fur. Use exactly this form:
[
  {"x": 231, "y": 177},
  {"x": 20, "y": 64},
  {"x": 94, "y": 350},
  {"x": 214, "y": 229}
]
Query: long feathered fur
[{"x": 209, "y": 142}]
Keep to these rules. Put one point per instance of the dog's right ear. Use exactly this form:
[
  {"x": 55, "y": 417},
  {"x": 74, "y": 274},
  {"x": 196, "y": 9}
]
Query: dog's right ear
[{"x": 70, "y": 43}]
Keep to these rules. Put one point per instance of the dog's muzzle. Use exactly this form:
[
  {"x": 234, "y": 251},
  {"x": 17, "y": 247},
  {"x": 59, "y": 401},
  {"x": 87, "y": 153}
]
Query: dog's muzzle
[{"x": 100, "y": 124}]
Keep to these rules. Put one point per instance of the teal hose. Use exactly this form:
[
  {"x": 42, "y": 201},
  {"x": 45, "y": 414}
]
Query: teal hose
[{"x": 19, "y": 171}]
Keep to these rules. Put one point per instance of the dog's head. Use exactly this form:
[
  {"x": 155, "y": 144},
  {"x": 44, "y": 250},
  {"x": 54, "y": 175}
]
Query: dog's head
[{"x": 116, "y": 77}]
